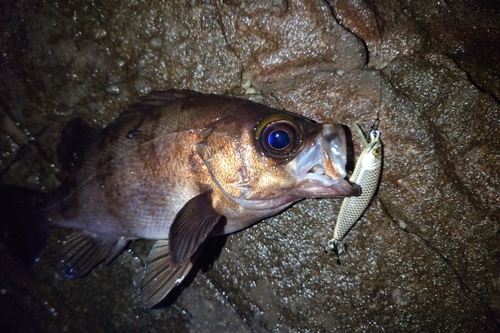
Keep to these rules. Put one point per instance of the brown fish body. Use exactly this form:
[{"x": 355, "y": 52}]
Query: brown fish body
[{"x": 183, "y": 166}]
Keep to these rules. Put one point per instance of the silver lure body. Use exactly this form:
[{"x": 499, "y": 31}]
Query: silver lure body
[{"x": 367, "y": 175}]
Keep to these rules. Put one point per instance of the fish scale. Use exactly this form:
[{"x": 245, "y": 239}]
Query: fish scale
[{"x": 367, "y": 175}]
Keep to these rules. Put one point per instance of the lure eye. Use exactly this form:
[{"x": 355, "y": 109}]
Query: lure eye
[{"x": 279, "y": 137}]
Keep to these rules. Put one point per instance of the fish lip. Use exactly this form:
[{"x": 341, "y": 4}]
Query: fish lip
[{"x": 333, "y": 188}]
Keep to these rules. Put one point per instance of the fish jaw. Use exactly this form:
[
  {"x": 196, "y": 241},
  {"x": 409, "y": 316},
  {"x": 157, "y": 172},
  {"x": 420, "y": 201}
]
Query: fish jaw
[{"x": 320, "y": 169}]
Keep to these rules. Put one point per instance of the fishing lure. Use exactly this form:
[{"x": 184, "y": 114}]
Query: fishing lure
[{"x": 367, "y": 175}]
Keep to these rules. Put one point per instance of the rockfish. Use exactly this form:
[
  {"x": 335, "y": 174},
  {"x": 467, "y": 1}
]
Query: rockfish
[{"x": 178, "y": 167}]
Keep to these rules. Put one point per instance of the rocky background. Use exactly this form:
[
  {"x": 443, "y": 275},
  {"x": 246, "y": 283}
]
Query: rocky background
[{"x": 426, "y": 256}]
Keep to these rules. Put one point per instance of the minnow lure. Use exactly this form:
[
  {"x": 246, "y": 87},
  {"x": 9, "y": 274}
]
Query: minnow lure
[{"x": 367, "y": 175}]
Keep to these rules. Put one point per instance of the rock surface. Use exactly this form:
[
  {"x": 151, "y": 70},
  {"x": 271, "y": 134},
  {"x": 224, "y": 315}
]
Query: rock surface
[{"x": 426, "y": 256}]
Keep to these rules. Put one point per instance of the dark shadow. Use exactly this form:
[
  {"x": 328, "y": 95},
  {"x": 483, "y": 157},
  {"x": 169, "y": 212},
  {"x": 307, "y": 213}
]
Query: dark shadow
[
  {"x": 349, "y": 149},
  {"x": 210, "y": 251}
]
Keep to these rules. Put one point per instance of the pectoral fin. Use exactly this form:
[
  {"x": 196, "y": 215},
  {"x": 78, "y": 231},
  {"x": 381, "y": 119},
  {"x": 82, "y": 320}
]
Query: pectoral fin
[
  {"x": 191, "y": 227},
  {"x": 161, "y": 277},
  {"x": 84, "y": 250},
  {"x": 169, "y": 262}
]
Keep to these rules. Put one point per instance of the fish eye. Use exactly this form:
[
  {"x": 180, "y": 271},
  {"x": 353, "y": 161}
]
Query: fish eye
[
  {"x": 279, "y": 139},
  {"x": 279, "y": 136}
]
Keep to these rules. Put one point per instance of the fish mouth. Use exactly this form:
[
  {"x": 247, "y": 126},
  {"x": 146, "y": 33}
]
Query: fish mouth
[
  {"x": 317, "y": 184},
  {"x": 320, "y": 169}
]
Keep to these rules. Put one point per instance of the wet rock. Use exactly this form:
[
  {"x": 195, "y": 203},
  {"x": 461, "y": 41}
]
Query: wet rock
[{"x": 426, "y": 256}]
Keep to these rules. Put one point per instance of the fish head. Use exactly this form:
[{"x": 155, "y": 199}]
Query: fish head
[{"x": 267, "y": 159}]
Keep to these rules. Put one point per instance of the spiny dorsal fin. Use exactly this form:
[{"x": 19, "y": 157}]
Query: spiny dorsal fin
[
  {"x": 76, "y": 137},
  {"x": 158, "y": 98}
]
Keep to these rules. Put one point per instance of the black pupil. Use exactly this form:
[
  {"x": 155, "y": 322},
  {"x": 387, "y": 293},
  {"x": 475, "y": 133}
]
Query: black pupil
[{"x": 279, "y": 139}]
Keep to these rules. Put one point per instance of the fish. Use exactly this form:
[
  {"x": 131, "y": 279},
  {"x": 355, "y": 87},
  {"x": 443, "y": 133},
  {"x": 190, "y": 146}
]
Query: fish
[
  {"x": 178, "y": 167},
  {"x": 366, "y": 174}
]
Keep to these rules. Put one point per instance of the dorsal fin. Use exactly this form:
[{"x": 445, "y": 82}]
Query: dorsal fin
[
  {"x": 158, "y": 98},
  {"x": 76, "y": 137}
]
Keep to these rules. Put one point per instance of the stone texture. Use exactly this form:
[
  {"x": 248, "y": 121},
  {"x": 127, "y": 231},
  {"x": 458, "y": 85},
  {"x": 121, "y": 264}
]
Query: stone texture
[{"x": 426, "y": 256}]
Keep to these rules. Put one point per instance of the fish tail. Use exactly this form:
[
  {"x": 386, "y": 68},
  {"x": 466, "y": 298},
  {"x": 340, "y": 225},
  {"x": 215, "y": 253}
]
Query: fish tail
[{"x": 24, "y": 228}]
